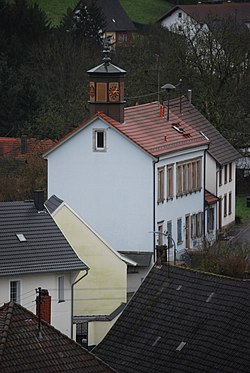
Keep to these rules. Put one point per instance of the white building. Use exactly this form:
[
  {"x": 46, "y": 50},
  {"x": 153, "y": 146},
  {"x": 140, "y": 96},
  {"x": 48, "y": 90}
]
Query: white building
[
  {"x": 220, "y": 168},
  {"x": 191, "y": 18},
  {"x": 131, "y": 172},
  {"x": 34, "y": 254}
]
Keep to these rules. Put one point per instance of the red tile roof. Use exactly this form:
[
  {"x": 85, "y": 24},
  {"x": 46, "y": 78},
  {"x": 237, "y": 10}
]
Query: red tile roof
[
  {"x": 22, "y": 351},
  {"x": 11, "y": 147},
  {"x": 219, "y": 148},
  {"x": 202, "y": 12},
  {"x": 210, "y": 198},
  {"x": 146, "y": 126}
]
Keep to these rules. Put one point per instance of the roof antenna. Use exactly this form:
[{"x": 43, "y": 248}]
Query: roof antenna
[
  {"x": 168, "y": 88},
  {"x": 179, "y": 85},
  {"x": 38, "y": 302},
  {"x": 106, "y": 49}
]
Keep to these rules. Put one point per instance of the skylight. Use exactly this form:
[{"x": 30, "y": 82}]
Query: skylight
[
  {"x": 21, "y": 237},
  {"x": 178, "y": 129},
  {"x": 181, "y": 345}
]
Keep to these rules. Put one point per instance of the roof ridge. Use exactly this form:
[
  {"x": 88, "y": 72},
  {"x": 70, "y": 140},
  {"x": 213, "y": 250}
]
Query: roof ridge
[
  {"x": 146, "y": 104},
  {"x": 5, "y": 329}
]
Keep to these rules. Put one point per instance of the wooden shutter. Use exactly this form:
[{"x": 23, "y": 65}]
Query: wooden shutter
[{"x": 101, "y": 92}]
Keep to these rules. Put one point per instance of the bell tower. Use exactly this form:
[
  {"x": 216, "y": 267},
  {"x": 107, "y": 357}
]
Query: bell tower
[{"x": 106, "y": 88}]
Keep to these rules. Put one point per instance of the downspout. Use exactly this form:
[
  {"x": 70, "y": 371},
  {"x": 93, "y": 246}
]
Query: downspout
[
  {"x": 204, "y": 201},
  {"x": 72, "y": 299},
  {"x": 154, "y": 207}
]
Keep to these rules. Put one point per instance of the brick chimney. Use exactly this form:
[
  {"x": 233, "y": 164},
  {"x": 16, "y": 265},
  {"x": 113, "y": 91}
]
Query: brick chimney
[
  {"x": 45, "y": 306},
  {"x": 39, "y": 200}
]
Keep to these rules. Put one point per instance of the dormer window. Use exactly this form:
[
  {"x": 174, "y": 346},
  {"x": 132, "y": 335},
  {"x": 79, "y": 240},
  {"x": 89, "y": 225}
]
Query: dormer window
[{"x": 99, "y": 140}]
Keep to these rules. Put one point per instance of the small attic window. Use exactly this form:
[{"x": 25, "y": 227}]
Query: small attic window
[
  {"x": 99, "y": 140},
  {"x": 21, "y": 237}
]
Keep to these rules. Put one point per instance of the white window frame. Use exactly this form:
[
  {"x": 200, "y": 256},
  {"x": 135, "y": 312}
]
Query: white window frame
[
  {"x": 61, "y": 289},
  {"x": 17, "y": 297},
  {"x": 97, "y": 148}
]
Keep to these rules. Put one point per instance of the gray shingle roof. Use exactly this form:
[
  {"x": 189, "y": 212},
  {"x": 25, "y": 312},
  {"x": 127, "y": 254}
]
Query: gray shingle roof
[
  {"x": 22, "y": 351},
  {"x": 220, "y": 149},
  {"x": 115, "y": 16},
  {"x": 186, "y": 322},
  {"x": 45, "y": 248},
  {"x": 53, "y": 203}
]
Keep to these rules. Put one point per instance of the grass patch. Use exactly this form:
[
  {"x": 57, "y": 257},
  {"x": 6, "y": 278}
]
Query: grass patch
[
  {"x": 141, "y": 11},
  {"x": 241, "y": 208},
  {"x": 145, "y": 11}
]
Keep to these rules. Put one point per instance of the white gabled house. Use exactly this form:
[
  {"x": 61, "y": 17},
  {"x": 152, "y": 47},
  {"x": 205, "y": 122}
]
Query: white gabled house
[
  {"x": 220, "y": 169},
  {"x": 130, "y": 172},
  {"x": 35, "y": 254},
  {"x": 193, "y": 17}
]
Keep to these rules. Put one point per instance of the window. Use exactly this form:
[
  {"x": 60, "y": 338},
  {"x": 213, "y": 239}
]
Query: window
[
  {"x": 169, "y": 230},
  {"x": 210, "y": 219},
  {"x": 101, "y": 92},
  {"x": 61, "y": 289},
  {"x": 230, "y": 172},
  {"x": 225, "y": 205},
  {"x": 179, "y": 15},
  {"x": 160, "y": 239},
  {"x": 188, "y": 176},
  {"x": 193, "y": 226},
  {"x": 15, "y": 291},
  {"x": 199, "y": 224},
  {"x": 220, "y": 177},
  {"x": 225, "y": 174},
  {"x": 170, "y": 191},
  {"x": 230, "y": 203},
  {"x": 179, "y": 231},
  {"x": 122, "y": 37},
  {"x": 161, "y": 184},
  {"x": 99, "y": 140}
]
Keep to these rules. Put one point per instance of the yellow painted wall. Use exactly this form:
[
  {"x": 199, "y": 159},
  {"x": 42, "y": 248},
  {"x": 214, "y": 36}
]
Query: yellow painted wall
[
  {"x": 105, "y": 286},
  {"x": 97, "y": 330}
]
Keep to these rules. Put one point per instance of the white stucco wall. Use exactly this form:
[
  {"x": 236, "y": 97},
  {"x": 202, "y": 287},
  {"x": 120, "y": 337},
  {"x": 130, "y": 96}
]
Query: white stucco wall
[
  {"x": 112, "y": 191},
  {"x": 179, "y": 207},
  {"x": 226, "y": 188},
  {"x": 60, "y": 311},
  {"x": 211, "y": 169},
  {"x": 183, "y": 25}
]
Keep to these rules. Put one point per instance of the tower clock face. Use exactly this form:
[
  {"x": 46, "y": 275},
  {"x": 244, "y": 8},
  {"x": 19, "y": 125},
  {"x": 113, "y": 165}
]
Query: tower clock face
[{"x": 114, "y": 92}]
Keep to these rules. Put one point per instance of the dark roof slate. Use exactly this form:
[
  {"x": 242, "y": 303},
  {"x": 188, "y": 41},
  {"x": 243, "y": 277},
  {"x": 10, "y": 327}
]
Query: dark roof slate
[
  {"x": 219, "y": 148},
  {"x": 115, "y": 16},
  {"x": 53, "y": 203},
  {"x": 22, "y": 351},
  {"x": 45, "y": 249},
  {"x": 181, "y": 320}
]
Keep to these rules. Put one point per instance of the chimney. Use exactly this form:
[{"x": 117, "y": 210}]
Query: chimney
[
  {"x": 190, "y": 95},
  {"x": 39, "y": 200},
  {"x": 45, "y": 306},
  {"x": 24, "y": 144}
]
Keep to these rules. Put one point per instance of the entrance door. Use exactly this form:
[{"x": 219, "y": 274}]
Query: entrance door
[{"x": 187, "y": 224}]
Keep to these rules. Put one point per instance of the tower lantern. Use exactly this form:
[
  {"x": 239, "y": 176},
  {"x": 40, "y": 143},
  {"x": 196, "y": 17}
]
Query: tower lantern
[{"x": 106, "y": 88}]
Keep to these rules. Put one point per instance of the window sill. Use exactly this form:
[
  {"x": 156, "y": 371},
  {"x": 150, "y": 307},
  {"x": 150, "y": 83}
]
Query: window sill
[{"x": 61, "y": 301}]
